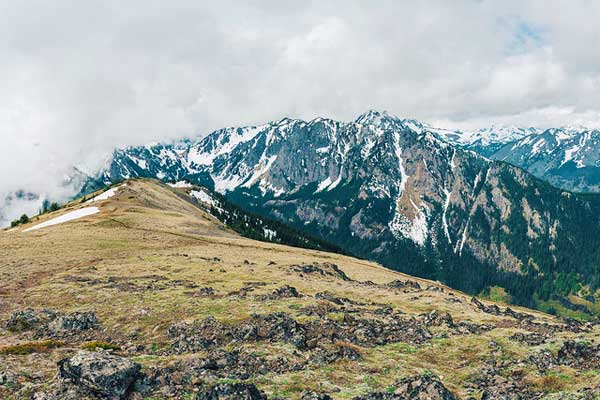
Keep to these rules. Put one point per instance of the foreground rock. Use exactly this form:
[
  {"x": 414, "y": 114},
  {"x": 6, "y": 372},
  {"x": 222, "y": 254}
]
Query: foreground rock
[
  {"x": 421, "y": 387},
  {"x": 99, "y": 373}
]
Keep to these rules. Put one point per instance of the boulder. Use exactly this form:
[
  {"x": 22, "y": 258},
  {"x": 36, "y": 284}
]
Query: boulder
[
  {"x": 73, "y": 323},
  {"x": 28, "y": 319},
  {"x": 100, "y": 373}
]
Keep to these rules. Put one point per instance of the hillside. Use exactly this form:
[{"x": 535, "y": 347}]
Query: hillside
[
  {"x": 390, "y": 190},
  {"x": 185, "y": 308}
]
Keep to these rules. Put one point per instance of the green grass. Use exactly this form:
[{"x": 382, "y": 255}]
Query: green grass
[{"x": 97, "y": 344}]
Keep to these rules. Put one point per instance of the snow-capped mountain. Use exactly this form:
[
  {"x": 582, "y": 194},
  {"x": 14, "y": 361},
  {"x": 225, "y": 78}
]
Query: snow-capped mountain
[
  {"x": 486, "y": 141},
  {"x": 567, "y": 158},
  {"x": 391, "y": 190}
]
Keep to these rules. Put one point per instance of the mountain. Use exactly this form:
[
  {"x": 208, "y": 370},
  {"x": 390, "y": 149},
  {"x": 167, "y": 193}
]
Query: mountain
[
  {"x": 567, "y": 158},
  {"x": 137, "y": 292},
  {"x": 392, "y": 191},
  {"x": 486, "y": 141}
]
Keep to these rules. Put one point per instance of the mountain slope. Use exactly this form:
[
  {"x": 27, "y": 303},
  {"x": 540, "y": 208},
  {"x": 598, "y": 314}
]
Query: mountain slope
[
  {"x": 569, "y": 159},
  {"x": 181, "y": 303},
  {"x": 392, "y": 191}
]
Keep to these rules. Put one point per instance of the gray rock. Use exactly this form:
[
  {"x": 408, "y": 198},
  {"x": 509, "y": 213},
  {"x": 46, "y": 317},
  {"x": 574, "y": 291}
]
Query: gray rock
[
  {"x": 107, "y": 375},
  {"x": 308, "y": 395},
  {"x": 420, "y": 387},
  {"x": 232, "y": 391},
  {"x": 73, "y": 323}
]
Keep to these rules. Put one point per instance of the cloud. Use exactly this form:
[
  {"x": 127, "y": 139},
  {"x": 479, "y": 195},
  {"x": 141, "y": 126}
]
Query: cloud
[{"x": 80, "y": 78}]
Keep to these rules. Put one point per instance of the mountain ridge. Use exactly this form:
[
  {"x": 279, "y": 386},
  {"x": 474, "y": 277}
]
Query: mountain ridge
[{"x": 393, "y": 191}]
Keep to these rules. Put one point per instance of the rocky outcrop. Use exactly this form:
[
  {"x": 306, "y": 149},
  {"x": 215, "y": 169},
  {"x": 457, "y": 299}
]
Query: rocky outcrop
[
  {"x": 281, "y": 327},
  {"x": 105, "y": 375},
  {"x": 49, "y": 323},
  {"x": 419, "y": 387},
  {"x": 231, "y": 391},
  {"x": 323, "y": 269}
]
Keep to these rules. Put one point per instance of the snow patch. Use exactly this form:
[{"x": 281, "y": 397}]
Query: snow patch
[
  {"x": 416, "y": 230},
  {"x": 323, "y": 185},
  {"x": 269, "y": 234},
  {"x": 444, "y": 221},
  {"x": 82, "y": 212},
  {"x": 180, "y": 184},
  {"x": 105, "y": 195}
]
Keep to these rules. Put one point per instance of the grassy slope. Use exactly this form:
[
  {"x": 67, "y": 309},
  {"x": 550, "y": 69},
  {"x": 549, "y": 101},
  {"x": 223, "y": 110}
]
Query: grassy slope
[{"x": 146, "y": 231}]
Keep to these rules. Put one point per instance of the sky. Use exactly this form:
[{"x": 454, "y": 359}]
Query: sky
[{"x": 80, "y": 78}]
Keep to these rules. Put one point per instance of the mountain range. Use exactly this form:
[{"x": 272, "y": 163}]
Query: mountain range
[
  {"x": 414, "y": 198},
  {"x": 568, "y": 158}
]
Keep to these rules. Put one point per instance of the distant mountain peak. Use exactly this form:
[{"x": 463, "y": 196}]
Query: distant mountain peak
[{"x": 371, "y": 117}]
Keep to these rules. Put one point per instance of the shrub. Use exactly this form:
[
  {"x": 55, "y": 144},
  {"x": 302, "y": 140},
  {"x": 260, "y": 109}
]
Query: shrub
[
  {"x": 98, "y": 344},
  {"x": 30, "y": 347}
]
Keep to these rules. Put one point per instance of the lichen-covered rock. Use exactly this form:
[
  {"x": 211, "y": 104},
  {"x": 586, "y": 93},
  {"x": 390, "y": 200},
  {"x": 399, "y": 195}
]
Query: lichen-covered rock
[
  {"x": 283, "y": 292},
  {"x": 100, "y": 373},
  {"x": 420, "y": 387},
  {"x": 73, "y": 323},
  {"x": 45, "y": 323},
  {"x": 323, "y": 268},
  {"x": 308, "y": 395},
  {"x": 232, "y": 391},
  {"x": 29, "y": 319}
]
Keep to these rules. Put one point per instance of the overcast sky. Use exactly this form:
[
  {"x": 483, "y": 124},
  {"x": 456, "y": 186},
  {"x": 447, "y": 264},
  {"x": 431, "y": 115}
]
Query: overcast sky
[{"x": 78, "y": 78}]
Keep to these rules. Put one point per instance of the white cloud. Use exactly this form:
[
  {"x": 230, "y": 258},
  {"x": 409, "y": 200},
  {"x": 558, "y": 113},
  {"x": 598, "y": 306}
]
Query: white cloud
[{"x": 80, "y": 78}]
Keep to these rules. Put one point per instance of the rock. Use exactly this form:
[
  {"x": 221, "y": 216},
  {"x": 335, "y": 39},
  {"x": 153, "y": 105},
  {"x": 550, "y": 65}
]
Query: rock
[
  {"x": 493, "y": 309},
  {"x": 332, "y": 298},
  {"x": 28, "y": 319},
  {"x": 7, "y": 378},
  {"x": 509, "y": 312},
  {"x": 73, "y": 323},
  {"x": 198, "y": 335},
  {"x": 421, "y": 387},
  {"x": 206, "y": 291},
  {"x": 280, "y": 327},
  {"x": 543, "y": 360},
  {"x": 531, "y": 339},
  {"x": 100, "y": 373},
  {"x": 435, "y": 319},
  {"x": 572, "y": 325},
  {"x": 237, "y": 364},
  {"x": 44, "y": 323},
  {"x": 231, "y": 391},
  {"x": 282, "y": 293},
  {"x": 308, "y": 395},
  {"x": 579, "y": 354},
  {"x": 323, "y": 356},
  {"x": 398, "y": 284},
  {"x": 324, "y": 268}
]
